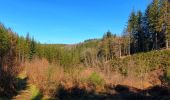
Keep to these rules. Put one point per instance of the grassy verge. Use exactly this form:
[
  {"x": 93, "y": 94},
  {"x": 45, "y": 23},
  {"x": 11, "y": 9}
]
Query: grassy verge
[{"x": 35, "y": 93}]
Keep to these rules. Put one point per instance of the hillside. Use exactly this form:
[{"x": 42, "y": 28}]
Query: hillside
[
  {"x": 94, "y": 69},
  {"x": 132, "y": 66},
  {"x": 141, "y": 76}
]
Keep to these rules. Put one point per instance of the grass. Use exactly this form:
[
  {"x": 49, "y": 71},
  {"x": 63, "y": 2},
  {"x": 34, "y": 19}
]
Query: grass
[
  {"x": 22, "y": 75},
  {"x": 35, "y": 93},
  {"x": 24, "y": 85},
  {"x": 168, "y": 74},
  {"x": 47, "y": 77}
]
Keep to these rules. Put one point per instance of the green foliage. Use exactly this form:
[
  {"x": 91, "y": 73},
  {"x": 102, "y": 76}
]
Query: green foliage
[
  {"x": 145, "y": 32},
  {"x": 35, "y": 93},
  {"x": 108, "y": 34},
  {"x": 143, "y": 63},
  {"x": 150, "y": 30},
  {"x": 8, "y": 69},
  {"x": 109, "y": 47},
  {"x": 168, "y": 74},
  {"x": 4, "y": 41},
  {"x": 32, "y": 50},
  {"x": 95, "y": 79}
]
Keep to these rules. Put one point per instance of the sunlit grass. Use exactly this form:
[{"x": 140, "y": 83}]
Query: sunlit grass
[{"x": 35, "y": 93}]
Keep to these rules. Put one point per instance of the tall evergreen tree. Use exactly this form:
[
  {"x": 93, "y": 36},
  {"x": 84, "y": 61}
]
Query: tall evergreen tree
[
  {"x": 153, "y": 18},
  {"x": 132, "y": 31},
  {"x": 32, "y": 48},
  {"x": 146, "y": 29},
  {"x": 168, "y": 25},
  {"x": 139, "y": 33},
  {"x": 163, "y": 11}
]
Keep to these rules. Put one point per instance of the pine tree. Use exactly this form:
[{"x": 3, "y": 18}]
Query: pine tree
[
  {"x": 32, "y": 48},
  {"x": 153, "y": 18},
  {"x": 8, "y": 69},
  {"x": 146, "y": 29},
  {"x": 163, "y": 11},
  {"x": 168, "y": 25},
  {"x": 4, "y": 41},
  {"x": 139, "y": 33},
  {"x": 125, "y": 43},
  {"x": 131, "y": 28}
]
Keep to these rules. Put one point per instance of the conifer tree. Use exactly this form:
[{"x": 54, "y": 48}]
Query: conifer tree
[
  {"x": 132, "y": 31},
  {"x": 146, "y": 29},
  {"x": 168, "y": 25},
  {"x": 139, "y": 36},
  {"x": 153, "y": 18},
  {"x": 32, "y": 48}
]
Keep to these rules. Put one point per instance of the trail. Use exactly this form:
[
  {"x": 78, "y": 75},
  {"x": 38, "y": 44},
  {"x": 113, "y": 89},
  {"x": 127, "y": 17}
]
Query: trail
[
  {"x": 24, "y": 88},
  {"x": 26, "y": 91},
  {"x": 23, "y": 95}
]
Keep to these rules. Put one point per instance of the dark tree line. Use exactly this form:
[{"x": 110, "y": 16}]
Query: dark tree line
[
  {"x": 14, "y": 51},
  {"x": 149, "y": 30},
  {"x": 145, "y": 31},
  {"x": 8, "y": 69}
]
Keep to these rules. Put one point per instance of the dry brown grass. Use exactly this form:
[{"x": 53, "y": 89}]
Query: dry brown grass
[
  {"x": 44, "y": 76},
  {"x": 47, "y": 77}
]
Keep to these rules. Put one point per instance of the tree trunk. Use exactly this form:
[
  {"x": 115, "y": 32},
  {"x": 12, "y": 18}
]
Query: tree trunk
[
  {"x": 156, "y": 42},
  {"x": 120, "y": 51},
  {"x": 129, "y": 47},
  {"x": 167, "y": 44}
]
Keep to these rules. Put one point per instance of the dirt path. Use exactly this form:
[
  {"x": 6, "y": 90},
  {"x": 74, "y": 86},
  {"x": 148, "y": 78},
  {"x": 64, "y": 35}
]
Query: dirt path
[
  {"x": 23, "y": 95},
  {"x": 24, "y": 91}
]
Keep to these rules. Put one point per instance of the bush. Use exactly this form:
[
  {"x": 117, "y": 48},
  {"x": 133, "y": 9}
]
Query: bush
[
  {"x": 95, "y": 79},
  {"x": 44, "y": 76},
  {"x": 142, "y": 64}
]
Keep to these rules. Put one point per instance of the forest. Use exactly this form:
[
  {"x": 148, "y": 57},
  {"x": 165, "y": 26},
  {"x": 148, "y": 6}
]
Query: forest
[{"x": 133, "y": 66}]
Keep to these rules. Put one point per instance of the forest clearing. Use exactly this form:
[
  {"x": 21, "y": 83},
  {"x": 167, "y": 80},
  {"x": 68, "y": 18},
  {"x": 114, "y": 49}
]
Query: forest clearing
[{"x": 132, "y": 66}]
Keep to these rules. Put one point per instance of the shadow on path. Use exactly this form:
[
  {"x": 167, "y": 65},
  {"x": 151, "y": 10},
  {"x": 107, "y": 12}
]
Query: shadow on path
[
  {"x": 21, "y": 84},
  {"x": 26, "y": 91},
  {"x": 118, "y": 92}
]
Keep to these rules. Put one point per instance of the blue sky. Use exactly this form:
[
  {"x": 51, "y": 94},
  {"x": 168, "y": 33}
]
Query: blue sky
[{"x": 67, "y": 21}]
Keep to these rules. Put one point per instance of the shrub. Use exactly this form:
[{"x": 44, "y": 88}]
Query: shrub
[
  {"x": 44, "y": 76},
  {"x": 95, "y": 79},
  {"x": 139, "y": 66}
]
